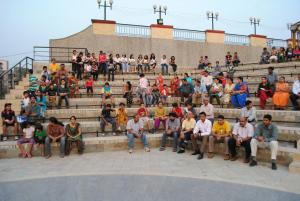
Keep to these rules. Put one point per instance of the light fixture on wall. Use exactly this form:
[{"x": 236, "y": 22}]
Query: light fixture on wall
[
  {"x": 105, "y": 5},
  {"x": 160, "y": 10}
]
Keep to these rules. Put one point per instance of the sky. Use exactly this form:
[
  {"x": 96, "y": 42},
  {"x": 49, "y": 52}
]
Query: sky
[{"x": 28, "y": 23}]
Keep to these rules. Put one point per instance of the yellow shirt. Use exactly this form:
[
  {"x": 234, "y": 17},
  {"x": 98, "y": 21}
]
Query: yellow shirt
[
  {"x": 221, "y": 129},
  {"x": 122, "y": 116},
  {"x": 53, "y": 67},
  {"x": 160, "y": 112},
  {"x": 188, "y": 124}
]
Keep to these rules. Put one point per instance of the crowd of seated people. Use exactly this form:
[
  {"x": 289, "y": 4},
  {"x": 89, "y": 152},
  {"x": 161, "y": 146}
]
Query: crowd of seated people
[{"x": 279, "y": 55}]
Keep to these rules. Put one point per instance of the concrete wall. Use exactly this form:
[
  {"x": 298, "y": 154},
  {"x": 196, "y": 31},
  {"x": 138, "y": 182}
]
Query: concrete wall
[{"x": 187, "y": 53}]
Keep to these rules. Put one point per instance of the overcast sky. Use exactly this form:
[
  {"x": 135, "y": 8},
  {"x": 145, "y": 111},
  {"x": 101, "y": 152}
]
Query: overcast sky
[{"x": 26, "y": 23}]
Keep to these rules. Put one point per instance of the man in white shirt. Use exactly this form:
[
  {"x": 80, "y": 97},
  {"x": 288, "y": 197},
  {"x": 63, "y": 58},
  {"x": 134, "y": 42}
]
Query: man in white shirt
[
  {"x": 207, "y": 80},
  {"x": 135, "y": 129},
  {"x": 242, "y": 135},
  {"x": 208, "y": 109},
  {"x": 296, "y": 94},
  {"x": 201, "y": 132},
  {"x": 249, "y": 112}
]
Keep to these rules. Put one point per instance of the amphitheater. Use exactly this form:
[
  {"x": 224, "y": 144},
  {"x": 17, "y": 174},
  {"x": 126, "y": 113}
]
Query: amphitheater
[{"x": 107, "y": 172}]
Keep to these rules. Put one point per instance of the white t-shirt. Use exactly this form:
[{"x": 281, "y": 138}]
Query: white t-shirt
[
  {"x": 143, "y": 83},
  {"x": 243, "y": 132},
  {"x": 29, "y": 132},
  {"x": 163, "y": 61},
  {"x": 25, "y": 102},
  {"x": 136, "y": 127}
]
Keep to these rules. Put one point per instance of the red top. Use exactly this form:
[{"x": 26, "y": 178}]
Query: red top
[
  {"x": 142, "y": 112},
  {"x": 102, "y": 58},
  {"x": 164, "y": 92},
  {"x": 89, "y": 83},
  {"x": 223, "y": 80},
  {"x": 178, "y": 112}
]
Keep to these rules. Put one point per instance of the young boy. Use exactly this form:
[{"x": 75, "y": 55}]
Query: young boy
[
  {"x": 39, "y": 138},
  {"x": 28, "y": 133},
  {"x": 52, "y": 92}
]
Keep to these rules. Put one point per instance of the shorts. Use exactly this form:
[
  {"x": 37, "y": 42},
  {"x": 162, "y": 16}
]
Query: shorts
[
  {"x": 89, "y": 89},
  {"x": 187, "y": 135},
  {"x": 25, "y": 140},
  {"x": 39, "y": 141},
  {"x": 8, "y": 125}
]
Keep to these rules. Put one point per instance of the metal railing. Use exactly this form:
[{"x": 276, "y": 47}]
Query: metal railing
[
  {"x": 61, "y": 54},
  {"x": 9, "y": 78},
  {"x": 190, "y": 35},
  {"x": 133, "y": 30},
  {"x": 272, "y": 42},
  {"x": 234, "y": 39}
]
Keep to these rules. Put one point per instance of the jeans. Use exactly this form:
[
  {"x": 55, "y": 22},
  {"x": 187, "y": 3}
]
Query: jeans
[
  {"x": 48, "y": 142},
  {"x": 175, "y": 139},
  {"x": 164, "y": 69},
  {"x": 103, "y": 68},
  {"x": 125, "y": 67},
  {"x": 140, "y": 68},
  {"x": 110, "y": 120},
  {"x": 131, "y": 140},
  {"x": 60, "y": 100},
  {"x": 294, "y": 99},
  {"x": 149, "y": 99}
]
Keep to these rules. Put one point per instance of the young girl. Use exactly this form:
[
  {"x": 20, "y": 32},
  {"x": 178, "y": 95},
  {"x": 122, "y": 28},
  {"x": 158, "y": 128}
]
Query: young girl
[
  {"x": 89, "y": 86},
  {"x": 128, "y": 93},
  {"x": 41, "y": 101},
  {"x": 122, "y": 117},
  {"x": 173, "y": 64},
  {"x": 146, "y": 63},
  {"x": 140, "y": 64},
  {"x": 107, "y": 93},
  {"x": 39, "y": 138},
  {"x": 132, "y": 64},
  {"x": 28, "y": 133},
  {"x": 164, "y": 94},
  {"x": 152, "y": 61}
]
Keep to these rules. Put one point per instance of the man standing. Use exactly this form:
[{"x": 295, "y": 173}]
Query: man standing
[
  {"x": 172, "y": 129},
  {"x": 201, "y": 132},
  {"x": 249, "y": 112},
  {"x": 135, "y": 129},
  {"x": 208, "y": 109},
  {"x": 242, "y": 134},
  {"x": 296, "y": 93},
  {"x": 265, "y": 135},
  {"x": 220, "y": 134}
]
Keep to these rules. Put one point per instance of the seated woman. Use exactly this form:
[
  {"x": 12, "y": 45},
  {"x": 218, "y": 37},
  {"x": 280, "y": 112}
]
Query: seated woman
[
  {"x": 173, "y": 64},
  {"x": 160, "y": 115},
  {"x": 128, "y": 93},
  {"x": 73, "y": 134},
  {"x": 216, "y": 91},
  {"x": 274, "y": 54},
  {"x": 189, "y": 79},
  {"x": 160, "y": 81},
  {"x": 236, "y": 59},
  {"x": 281, "y": 95},
  {"x": 239, "y": 94},
  {"x": 281, "y": 55},
  {"x": 152, "y": 61},
  {"x": 41, "y": 101},
  {"x": 107, "y": 94},
  {"x": 175, "y": 82},
  {"x": 228, "y": 90},
  {"x": 28, "y": 134},
  {"x": 264, "y": 92},
  {"x": 121, "y": 117}
]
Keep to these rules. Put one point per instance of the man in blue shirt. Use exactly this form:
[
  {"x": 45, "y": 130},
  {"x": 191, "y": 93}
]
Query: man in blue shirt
[
  {"x": 296, "y": 94},
  {"x": 265, "y": 136}
]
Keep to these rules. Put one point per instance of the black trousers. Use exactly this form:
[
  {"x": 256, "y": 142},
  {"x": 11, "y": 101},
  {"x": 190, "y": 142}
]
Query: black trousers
[
  {"x": 111, "y": 72},
  {"x": 294, "y": 99},
  {"x": 245, "y": 144}
]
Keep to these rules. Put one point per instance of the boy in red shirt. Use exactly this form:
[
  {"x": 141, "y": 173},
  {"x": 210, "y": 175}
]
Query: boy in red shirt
[
  {"x": 178, "y": 110},
  {"x": 89, "y": 86}
]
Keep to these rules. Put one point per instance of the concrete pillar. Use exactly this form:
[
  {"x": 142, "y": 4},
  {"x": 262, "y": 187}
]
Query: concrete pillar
[
  {"x": 258, "y": 40},
  {"x": 161, "y": 31},
  {"x": 215, "y": 36},
  {"x": 104, "y": 27}
]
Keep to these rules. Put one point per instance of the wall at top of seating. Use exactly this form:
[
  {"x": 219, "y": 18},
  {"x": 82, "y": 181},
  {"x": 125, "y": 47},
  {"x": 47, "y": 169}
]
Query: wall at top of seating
[{"x": 187, "y": 53}]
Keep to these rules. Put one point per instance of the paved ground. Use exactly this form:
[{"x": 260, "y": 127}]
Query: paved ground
[{"x": 154, "y": 175}]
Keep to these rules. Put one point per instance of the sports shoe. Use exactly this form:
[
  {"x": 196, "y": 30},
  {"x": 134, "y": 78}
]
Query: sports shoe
[
  {"x": 274, "y": 166},
  {"x": 195, "y": 153},
  {"x": 5, "y": 138},
  {"x": 147, "y": 149},
  {"x": 130, "y": 151},
  {"x": 181, "y": 151},
  {"x": 253, "y": 163},
  {"x": 162, "y": 148}
]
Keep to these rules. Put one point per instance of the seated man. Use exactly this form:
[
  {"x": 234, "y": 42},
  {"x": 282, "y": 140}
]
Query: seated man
[
  {"x": 220, "y": 133},
  {"x": 186, "y": 91},
  {"x": 144, "y": 117},
  {"x": 249, "y": 112},
  {"x": 201, "y": 132},
  {"x": 177, "y": 110},
  {"x": 135, "y": 129},
  {"x": 199, "y": 93},
  {"x": 266, "y": 135},
  {"x": 187, "y": 128},
  {"x": 265, "y": 56},
  {"x": 242, "y": 134},
  {"x": 33, "y": 110},
  {"x": 295, "y": 95},
  {"x": 172, "y": 129},
  {"x": 208, "y": 109},
  {"x": 106, "y": 118},
  {"x": 8, "y": 120}
]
